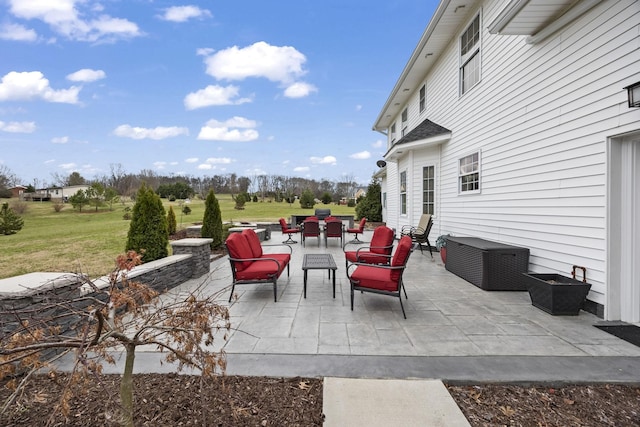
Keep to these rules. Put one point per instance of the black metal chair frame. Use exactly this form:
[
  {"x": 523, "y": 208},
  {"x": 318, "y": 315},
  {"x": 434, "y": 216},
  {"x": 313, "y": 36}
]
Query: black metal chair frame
[{"x": 419, "y": 235}]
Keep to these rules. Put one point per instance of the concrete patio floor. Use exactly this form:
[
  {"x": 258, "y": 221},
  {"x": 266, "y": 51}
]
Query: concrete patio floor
[{"x": 454, "y": 331}]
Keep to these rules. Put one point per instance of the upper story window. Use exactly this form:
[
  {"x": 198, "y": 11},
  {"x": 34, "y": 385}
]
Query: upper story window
[
  {"x": 393, "y": 133},
  {"x": 405, "y": 115},
  {"x": 470, "y": 56},
  {"x": 423, "y": 98},
  {"x": 469, "y": 173}
]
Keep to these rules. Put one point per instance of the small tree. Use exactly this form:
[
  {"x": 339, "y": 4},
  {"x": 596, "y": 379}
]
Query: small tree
[
  {"x": 307, "y": 200},
  {"x": 326, "y": 198},
  {"x": 79, "y": 200},
  {"x": 148, "y": 232},
  {"x": 172, "y": 223},
  {"x": 212, "y": 221},
  {"x": 124, "y": 315},
  {"x": 370, "y": 206},
  {"x": 10, "y": 222},
  {"x": 186, "y": 210}
]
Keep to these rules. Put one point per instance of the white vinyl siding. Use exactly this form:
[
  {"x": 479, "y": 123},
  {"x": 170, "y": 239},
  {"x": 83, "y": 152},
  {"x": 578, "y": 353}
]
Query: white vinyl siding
[{"x": 543, "y": 142}]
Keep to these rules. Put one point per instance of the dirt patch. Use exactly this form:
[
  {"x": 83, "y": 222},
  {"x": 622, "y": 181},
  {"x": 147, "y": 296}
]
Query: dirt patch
[{"x": 181, "y": 400}]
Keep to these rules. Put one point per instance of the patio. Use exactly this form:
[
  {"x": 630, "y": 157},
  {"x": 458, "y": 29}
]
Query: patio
[{"x": 492, "y": 336}]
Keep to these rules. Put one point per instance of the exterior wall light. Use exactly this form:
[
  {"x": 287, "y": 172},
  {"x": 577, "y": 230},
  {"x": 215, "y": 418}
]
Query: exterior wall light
[{"x": 634, "y": 95}]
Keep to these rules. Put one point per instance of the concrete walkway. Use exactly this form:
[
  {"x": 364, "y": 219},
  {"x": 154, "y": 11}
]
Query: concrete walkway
[{"x": 454, "y": 332}]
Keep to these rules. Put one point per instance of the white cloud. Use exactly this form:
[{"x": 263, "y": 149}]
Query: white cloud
[
  {"x": 86, "y": 75},
  {"x": 64, "y": 18},
  {"x": 218, "y": 161},
  {"x": 378, "y": 144},
  {"x": 18, "y": 127},
  {"x": 301, "y": 169},
  {"x": 358, "y": 107},
  {"x": 68, "y": 166},
  {"x": 17, "y": 32},
  {"x": 362, "y": 155},
  {"x": 281, "y": 64},
  {"x": 28, "y": 85},
  {"x": 192, "y": 160},
  {"x": 326, "y": 160},
  {"x": 184, "y": 13},
  {"x": 60, "y": 140},
  {"x": 299, "y": 90},
  {"x": 157, "y": 133},
  {"x": 214, "y": 95},
  {"x": 228, "y": 130},
  {"x": 159, "y": 165}
]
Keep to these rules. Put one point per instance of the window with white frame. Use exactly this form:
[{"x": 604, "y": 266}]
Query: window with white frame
[
  {"x": 470, "y": 56},
  {"x": 428, "y": 190},
  {"x": 405, "y": 115},
  {"x": 393, "y": 133},
  {"x": 423, "y": 98},
  {"x": 384, "y": 200},
  {"x": 403, "y": 192},
  {"x": 469, "y": 173}
]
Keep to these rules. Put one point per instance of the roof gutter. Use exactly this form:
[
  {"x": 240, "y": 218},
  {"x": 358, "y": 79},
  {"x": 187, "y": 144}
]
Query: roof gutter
[{"x": 442, "y": 7}]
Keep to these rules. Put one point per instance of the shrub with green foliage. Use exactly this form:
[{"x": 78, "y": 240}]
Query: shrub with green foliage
[
  {"x": 79, "y": 200},
  {"x": 10, "y": 222},
  {"x": 326, "y": 198},
  {"x": 212, "y": 221},
  {"x": 148, "y": 231},
  {"x": 307, "y": 200},
  {"x": 186, "y": 210},
  {"x": 370, "y": 206},
  {"x": 172, "y": 223}
]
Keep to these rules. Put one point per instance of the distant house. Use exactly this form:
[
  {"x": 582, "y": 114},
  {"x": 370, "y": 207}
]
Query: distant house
[
  {"x": 17, "y": 191},
  {"x": 511, "y": 121},
  {"x": 55, "y": 194},
  {"x": 360, "y": 192}
]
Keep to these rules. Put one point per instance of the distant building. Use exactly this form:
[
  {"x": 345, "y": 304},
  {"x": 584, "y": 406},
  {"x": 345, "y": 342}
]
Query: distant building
[{"x": 17, "y": 190}]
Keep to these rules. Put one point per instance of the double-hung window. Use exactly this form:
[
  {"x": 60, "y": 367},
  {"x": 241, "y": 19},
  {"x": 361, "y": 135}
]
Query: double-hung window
[
  {"x": 469, "y": 173},
  {"x": 393, "y": 133},
  {"x": 403, "y": 192},
  {"x": 470, "y": 56},
  {"x": 423, "y": 98},
  {"x": 405, "y": 116}
]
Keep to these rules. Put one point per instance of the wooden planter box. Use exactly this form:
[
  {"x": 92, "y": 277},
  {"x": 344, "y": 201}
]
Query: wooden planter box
[{"x": 556, "y": 294}]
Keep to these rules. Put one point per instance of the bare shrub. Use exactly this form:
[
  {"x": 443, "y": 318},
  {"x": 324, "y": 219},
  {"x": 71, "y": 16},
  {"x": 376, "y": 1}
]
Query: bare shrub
[
  {"x": 58, "y": 206},
  {"x": 19, "y": 207}
]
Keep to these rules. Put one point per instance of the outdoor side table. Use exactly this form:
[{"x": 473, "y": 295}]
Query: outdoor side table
[{"x": 319, "y": 262}]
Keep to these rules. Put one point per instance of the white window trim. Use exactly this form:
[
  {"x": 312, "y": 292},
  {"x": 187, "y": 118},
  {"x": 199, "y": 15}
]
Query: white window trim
[
  {"x": 479, "y": 171},
  {"x": 422, "y": 102},
  {"x": 405, "y": 192},
  {"x": 463, "y": 60}
]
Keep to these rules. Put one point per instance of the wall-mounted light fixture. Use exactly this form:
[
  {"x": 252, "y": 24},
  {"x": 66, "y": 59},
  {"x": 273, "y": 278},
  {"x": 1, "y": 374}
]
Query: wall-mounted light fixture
[
  {"x": 633, "y": 92},
  {"x": 381, "y": 163}
]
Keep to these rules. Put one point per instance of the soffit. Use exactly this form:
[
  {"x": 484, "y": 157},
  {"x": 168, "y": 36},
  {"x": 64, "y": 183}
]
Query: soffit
[{"x": 527, "y": 17}]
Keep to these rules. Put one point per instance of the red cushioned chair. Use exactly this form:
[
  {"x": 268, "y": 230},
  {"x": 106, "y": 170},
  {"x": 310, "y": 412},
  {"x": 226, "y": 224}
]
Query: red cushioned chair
[
  {"x": 382, "y": 279},
  {"x": 357, "y": 230},
  {"x": 288, "y": 231},
  {"x": 378, "y": 251},
  {"x": 310, "y": 228},
  {"x": 333, "y": 227},
  {"x": 250, "y": 265}
]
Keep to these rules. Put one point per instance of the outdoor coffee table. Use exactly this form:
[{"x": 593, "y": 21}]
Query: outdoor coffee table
[{"x": 319, "y": 262}]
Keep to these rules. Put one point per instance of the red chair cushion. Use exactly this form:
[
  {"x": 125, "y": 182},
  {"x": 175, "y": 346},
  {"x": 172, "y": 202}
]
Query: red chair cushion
[
  {"x": 259, "y": 270},
  {"x": 239, "y": 248},
  {"x": 382, "y": 237},
  {"x": 283, "y": 259},
  {"x": 374, "y": 278},
  {"x": 400, "y": 256},
  {"x": 254, "y": 242}
]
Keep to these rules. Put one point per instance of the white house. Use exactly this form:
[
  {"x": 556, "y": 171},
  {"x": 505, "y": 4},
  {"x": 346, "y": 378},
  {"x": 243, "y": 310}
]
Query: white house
[{"x": 511, "y": 121}]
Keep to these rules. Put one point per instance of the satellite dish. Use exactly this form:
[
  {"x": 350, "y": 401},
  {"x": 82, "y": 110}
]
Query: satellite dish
[{"x": 381, "y": 163}]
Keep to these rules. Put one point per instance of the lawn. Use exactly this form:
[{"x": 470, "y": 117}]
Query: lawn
[{"x": 89, "y": 241}]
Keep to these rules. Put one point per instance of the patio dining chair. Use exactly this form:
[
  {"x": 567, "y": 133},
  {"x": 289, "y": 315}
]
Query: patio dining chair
[
  {"x": 420, "y": 233},
  {"x": 357, "y": 230},
  {"x": 288, "y": 231},
  {"x": 310, "y": 228},
  {"x": 382, "y": 279},
  {"x": 333, "y": 227}
]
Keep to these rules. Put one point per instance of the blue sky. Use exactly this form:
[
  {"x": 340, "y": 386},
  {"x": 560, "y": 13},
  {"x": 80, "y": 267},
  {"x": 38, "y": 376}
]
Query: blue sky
[{"x": 200, "y": 88}]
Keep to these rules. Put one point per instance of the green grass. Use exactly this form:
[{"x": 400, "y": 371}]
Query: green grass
[{"x": 89, "y": 242}]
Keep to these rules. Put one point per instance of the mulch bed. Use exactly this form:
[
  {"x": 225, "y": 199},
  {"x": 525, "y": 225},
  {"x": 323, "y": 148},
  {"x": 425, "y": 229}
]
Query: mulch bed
[{"x": 231, "y": 401}]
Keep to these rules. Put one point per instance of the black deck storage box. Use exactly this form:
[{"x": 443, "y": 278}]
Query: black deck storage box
[{"x": 489, "y": 265}]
